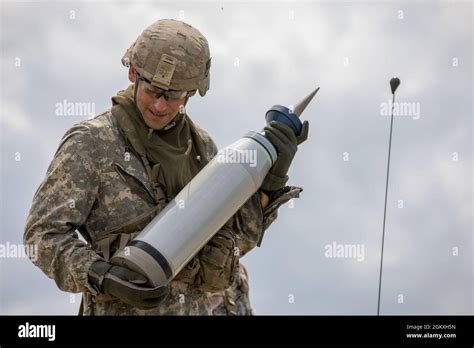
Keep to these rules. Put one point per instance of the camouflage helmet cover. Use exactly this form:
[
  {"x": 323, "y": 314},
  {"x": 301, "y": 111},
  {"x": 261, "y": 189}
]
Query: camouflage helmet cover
[{"x": 172, "y": 55}]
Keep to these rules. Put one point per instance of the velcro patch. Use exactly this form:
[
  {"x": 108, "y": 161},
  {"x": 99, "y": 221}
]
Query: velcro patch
[{"x": 164, "y": 71}]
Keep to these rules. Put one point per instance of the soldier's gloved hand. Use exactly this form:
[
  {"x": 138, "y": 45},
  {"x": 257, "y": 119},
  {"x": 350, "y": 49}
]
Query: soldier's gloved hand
[
  {"x": 286, "y": 144},
  {"x": 125, "y": 284}
]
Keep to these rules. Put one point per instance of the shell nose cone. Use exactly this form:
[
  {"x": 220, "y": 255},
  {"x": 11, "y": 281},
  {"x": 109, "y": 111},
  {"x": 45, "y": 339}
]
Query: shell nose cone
[{"x": 301, "y": 105}]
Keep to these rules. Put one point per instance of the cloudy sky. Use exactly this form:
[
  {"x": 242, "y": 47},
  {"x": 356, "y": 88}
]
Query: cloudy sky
[{"x": 268, "y": 53}]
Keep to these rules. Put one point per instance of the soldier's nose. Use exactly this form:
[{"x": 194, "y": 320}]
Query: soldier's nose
[{"x": 160, "y": 105}]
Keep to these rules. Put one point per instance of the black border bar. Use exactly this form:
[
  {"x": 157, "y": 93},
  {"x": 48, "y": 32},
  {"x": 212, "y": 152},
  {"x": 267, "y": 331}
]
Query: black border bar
[{"x": 258, "y": 329}]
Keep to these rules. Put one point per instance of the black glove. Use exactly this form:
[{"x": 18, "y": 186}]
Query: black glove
[
  {"x": 125, "y": 284},
  {"x": 286, "y": 144}
]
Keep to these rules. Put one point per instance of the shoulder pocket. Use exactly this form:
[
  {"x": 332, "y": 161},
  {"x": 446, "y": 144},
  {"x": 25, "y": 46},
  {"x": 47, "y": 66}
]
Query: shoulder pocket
[{"x": 219, "y": 262}]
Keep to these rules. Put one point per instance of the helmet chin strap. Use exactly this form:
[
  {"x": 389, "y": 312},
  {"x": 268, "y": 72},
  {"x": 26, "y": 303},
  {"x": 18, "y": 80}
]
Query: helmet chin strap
[
  {"x": 187, "y": 97},
  {"x": 186, "y": 100},
  {"x": 135, "y": 92}
]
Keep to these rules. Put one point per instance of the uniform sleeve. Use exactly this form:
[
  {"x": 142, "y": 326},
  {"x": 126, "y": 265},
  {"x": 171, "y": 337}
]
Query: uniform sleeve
[{"x": 62, "y": 204}]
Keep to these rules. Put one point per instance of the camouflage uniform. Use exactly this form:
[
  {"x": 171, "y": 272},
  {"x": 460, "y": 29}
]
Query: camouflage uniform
[
  {"x": 235, "y": 300},
  {"x": 97, "y": 185}
]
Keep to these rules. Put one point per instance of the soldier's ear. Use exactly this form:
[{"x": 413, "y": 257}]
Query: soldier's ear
[{"x": 131, "y": 73}]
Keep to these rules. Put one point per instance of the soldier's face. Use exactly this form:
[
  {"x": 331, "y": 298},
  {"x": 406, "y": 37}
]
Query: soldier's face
[{"x": 156, "y": 112}]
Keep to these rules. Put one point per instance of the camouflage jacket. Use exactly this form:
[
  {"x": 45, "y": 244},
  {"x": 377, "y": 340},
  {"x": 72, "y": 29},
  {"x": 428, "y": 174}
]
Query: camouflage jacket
[
  {"x": 235, "y": 300},
  {"x": 96, "y": 185}
]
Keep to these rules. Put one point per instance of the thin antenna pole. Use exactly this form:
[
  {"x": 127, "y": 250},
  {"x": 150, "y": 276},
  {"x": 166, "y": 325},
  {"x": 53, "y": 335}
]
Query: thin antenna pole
[{"x": 394, "y": 83}]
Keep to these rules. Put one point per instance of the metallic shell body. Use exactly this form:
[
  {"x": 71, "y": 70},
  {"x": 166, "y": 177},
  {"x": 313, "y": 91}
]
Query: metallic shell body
[{"x": 199, "y": 210}]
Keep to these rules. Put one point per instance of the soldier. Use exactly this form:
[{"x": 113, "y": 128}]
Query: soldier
[{"x": 112, "y": 174}]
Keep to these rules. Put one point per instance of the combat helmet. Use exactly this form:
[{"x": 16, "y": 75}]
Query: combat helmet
[{"x": 171, "y": 55}]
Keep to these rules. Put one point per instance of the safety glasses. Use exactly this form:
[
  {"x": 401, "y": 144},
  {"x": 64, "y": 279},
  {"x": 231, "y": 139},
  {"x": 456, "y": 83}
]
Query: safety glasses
[{"x": 157, "y": 93}]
